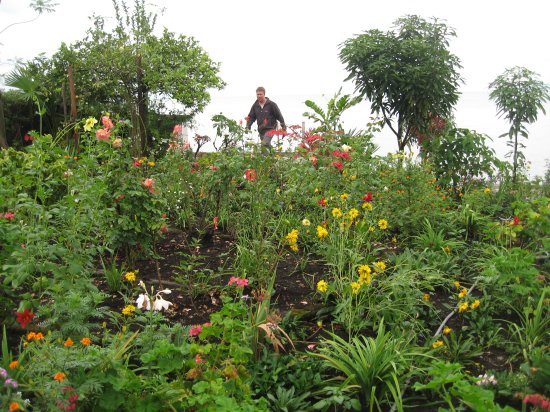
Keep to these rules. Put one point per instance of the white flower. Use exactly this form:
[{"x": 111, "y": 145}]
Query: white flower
[
  {"x": 345, "y": 148},
  {"x": 143, "y": 301},
  {"x": 160, "y": 303}
]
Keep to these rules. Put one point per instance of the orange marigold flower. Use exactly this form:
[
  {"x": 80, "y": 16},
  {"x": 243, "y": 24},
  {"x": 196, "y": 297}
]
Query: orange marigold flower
[
  {"x": 13, "y": 364},
  {"x": 38, "y": 336},
  {"x": 85, "y": 341},
  {"x": 14, "y": 406},
  {"x": 59, "y": 376},
  {"x": 30, "y": 336},
  {"x": 68, "y": 343}
]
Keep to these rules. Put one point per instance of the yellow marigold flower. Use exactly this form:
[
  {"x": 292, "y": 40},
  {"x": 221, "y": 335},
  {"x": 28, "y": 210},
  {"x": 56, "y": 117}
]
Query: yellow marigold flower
[
  {"x": 130, "y": 276},
  {"x": 68, "y": 343},
  {"x": 14, "y": 406},
  {"x": 292, "y": 237},
  {"x": 365, "y": 279},
  {"x": 447, "y": 330},
  {"x": 364, "y": 270},
  {"x": 128, "y": 310},
  {"x": 59, "y": 376},
  {"x": 306, "y": 222},
  {"x": 475, "y": 304},
  {"x": 151, "y": 164},
  {"x": 322, "y": 286},
  {"x": 353, "y": 213},
  {"x": 85, "y": 341},
  {"x": 394, "y": 240},
  {"x": 344, "y": 197},
  {"x": 367, "y": 205},
  {"x": 321, "y": 232},
  {"x": 463, "y": 307},
  {"x": 316, "y": 190},
  {"x": 89, "y": 124},
  {"x": 371, "y": 229},
  {"x": 294, "y": 247},
  {"x": 457, "y": 284},
  {"x": 353, "y": 177},
  {"x": 437, "y": 344},
  {"x": 380, "y": 266},
  {"x": 487, "y": 190},
  {"x": 447, "y": 250},
  {"x": 336, "y": 212},
  {"x": 383, "y": 224},
  {"x": 463, "y": 292},
  {"x": 355, "y": 286},
  {"x": 426, "y": 297},
  {"x": 13, "y": 364}
]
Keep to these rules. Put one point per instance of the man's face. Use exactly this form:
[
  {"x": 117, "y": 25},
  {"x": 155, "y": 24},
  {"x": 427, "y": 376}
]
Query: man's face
[{"x": 260, "y": 96}]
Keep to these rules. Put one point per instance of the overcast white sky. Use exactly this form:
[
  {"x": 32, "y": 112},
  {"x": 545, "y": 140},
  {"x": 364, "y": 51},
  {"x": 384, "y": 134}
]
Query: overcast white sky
[{"x": 291, "y": 48}]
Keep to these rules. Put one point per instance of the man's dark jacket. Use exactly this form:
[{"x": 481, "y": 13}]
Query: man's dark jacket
[{"x": 266, "y": 117}]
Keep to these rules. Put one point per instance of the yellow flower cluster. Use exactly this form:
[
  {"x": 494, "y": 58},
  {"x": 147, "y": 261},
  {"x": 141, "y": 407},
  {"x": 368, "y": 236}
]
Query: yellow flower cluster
[
  {"x": 130, "y": 276},
  {"x": 292, "y": 239},
  {"x": 383, "y": 224},
  {"x": 321, "y": 232},
  {"x": 128, "y": 310},
  {"x": 336, "y": 212},
  {"x": 322, "y": 286},
  {"x": 364, "y": 274},
  {"x": 437, "y": 344}
]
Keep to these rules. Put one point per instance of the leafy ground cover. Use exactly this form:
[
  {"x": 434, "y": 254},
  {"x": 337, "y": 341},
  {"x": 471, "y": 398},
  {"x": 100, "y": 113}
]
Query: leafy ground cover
[{"x": 326, "y": 278}]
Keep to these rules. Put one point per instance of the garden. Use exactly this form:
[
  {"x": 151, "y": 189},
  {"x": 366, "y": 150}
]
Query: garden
[{"x": 141, "y": 274}]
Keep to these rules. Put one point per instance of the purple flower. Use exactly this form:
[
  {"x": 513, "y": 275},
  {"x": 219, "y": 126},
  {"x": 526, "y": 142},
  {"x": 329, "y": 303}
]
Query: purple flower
[
  {"x": 11, "y": 382},
  {"x": 3, "y": 373}
]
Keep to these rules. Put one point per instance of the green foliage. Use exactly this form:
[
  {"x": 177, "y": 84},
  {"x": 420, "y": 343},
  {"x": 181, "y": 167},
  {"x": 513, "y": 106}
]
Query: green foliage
[
  {"x": 519, "y": 96},
  {"x": 407, "y": 73},
  {"x": 448, "y": 381},
  {"x": 371, "y": 366},
  {"x": 459, "y": 156},
  {"x": 330, "y": 121}
]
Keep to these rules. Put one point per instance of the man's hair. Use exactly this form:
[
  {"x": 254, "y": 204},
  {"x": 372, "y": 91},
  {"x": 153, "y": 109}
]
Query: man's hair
[{"x": 260, "y": 89}]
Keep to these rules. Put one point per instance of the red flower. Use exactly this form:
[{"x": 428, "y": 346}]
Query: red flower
[
  {"x": 9, "y": 215},
  {"x": 367, "y": 197},
  {"x": 27, "y": 138},
  {"x": 24, "y": 318},
  {"x": 215, "y": 221},
  {"x": 516, "y": 221},
  {"x": 342, "y": 155},
  {"x": 250, "y": 175},
  {"x": 195, "y": 330},
  {"x": 322, "y": 202},
  {"x": 276, "y": 133},
  {"x": 164, "y": 228},
  {"x": 338, "y": 165}
]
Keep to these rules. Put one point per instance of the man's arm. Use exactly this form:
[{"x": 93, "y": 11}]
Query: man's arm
[
  {"x": 279, "y": 116},
  {"x": 251, "y": 118}
]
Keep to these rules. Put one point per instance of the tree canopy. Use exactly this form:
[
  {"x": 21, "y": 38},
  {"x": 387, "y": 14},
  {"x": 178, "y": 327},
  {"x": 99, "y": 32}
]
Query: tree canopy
[{"x": 406, "y": 73}]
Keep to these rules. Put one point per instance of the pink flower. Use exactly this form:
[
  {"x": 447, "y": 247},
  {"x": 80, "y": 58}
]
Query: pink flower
[
  {"x": 198, "y": 359},
  {"x": 215, "y": 222},
  {"x": 137, "y": 163},
  {"x": 195, "y": 330},
  {"x": 9, "y": 215},
  {"x": 367, "y": 197},
  {"x": 177, "y": 130},
  {"x": 313, "y": 159},
  {"x": 238, "y": 281},
  {"x": 250, "y": 175},
  {"x": 186, "y": 146},
  {"x": 102, "y": 134},
  {"x": 147, "y": 183},
  {"x": 107, "y": 123}
]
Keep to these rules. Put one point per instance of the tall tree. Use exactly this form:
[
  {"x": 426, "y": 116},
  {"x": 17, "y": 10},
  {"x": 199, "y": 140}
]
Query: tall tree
[
  {"x": 407, "y": 73},
  {"x": 132, "y": 72},
  {"x": 519, "y": 95}
]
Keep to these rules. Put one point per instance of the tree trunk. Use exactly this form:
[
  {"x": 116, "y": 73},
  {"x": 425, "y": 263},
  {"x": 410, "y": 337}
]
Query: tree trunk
[
  {"x": 142, "y": 107},
  {"x": 72, "y": 93},
  {"x": 3, "y": 139}
]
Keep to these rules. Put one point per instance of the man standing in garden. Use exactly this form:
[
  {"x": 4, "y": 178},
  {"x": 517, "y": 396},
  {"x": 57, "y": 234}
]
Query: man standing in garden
[{"x": 266, "y": 113}]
